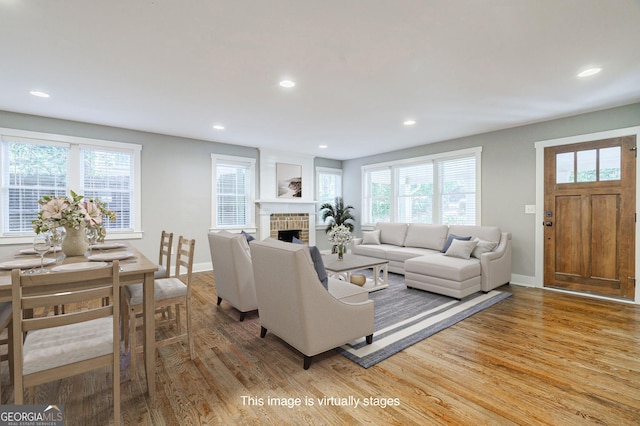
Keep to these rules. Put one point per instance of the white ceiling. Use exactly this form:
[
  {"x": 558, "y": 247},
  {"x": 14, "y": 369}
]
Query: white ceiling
[{"x": 362, "y": 67}]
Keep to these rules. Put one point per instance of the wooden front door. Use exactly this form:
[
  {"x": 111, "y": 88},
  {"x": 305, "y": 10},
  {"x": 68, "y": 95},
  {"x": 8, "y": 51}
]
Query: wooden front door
[{"x": 589, "y": 235}]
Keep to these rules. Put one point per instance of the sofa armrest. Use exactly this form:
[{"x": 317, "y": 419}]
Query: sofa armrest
[{"x": 496, "y": 265}]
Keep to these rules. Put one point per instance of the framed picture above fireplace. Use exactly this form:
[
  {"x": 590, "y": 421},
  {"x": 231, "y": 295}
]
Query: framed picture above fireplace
[{"x": 289, "y": 180}]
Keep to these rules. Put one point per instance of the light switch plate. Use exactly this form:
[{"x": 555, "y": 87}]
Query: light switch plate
[{"x": 530, "y": 209}]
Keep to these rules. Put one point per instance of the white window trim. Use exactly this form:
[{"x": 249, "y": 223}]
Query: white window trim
[
  {"x": 327, "y": 170},
  {"x": 75, "y": 142},
  {"x": 251, "y": 228},
  {"x": 477, "y": 151}
]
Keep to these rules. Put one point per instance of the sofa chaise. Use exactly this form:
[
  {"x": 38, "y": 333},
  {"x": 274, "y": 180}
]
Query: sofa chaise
[{"x": 456, "y": 260}]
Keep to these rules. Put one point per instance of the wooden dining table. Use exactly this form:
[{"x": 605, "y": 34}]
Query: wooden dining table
[{"x": 134, "y": 269}]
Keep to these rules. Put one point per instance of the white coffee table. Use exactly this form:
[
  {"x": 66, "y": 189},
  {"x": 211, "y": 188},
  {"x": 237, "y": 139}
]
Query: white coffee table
[{"x": 342, "y": 269}]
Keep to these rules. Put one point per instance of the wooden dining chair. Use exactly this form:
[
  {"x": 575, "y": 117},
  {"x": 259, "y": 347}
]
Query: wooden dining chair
[
  {"x": 164, "y": 260},
  {"x": 168, "y": 292},
  {"x": 5, "y": 326},
  {"x": 85, "y": 338}
]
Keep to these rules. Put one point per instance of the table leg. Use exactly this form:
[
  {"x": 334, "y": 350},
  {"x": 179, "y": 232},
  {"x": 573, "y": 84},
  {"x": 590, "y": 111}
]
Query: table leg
[{"x": 149, "y": 334}]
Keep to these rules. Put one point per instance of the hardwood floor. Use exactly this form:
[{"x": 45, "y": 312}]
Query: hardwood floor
[{"x": 538, "y": 357}]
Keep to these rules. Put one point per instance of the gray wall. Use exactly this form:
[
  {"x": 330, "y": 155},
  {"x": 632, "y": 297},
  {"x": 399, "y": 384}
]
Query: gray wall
[
  {"x": 176, "y": 175},
  {"x": 508, "y": 171}
]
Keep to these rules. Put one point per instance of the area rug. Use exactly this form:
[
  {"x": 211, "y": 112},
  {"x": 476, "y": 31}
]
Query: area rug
[{"x": 406, "y": 316}]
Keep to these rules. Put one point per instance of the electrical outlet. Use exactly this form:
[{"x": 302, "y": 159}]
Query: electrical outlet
[{"x": 530, "y": 209}]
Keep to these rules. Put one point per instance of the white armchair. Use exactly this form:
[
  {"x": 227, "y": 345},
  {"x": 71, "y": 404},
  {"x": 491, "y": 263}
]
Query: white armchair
[
  {"x": 232, "y": 271},
  {"x": 295, "y": 306}
]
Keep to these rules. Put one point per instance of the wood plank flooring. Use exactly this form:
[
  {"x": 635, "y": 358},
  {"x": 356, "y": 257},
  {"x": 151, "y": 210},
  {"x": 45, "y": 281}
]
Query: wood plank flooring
[{"x": 538, "y": 357}]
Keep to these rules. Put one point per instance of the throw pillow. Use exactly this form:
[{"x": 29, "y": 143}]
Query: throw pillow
[
  {"x": 461, "y": 248},
  {"x": 450, "y": 238},
  {"x": 371, "y": 237},
  {"x": 483, "y": 247},
  {"x": 318, "y": 264},
  {"x": 248, "y": 237}
]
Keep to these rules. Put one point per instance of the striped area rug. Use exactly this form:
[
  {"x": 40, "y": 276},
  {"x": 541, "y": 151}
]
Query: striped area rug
[{"x": 406, "y": 316}]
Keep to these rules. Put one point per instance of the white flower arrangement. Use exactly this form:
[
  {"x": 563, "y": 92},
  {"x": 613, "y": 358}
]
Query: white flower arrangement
[
  {"x": 340, "y": 235},
  {"x": 71, "y": 211}
]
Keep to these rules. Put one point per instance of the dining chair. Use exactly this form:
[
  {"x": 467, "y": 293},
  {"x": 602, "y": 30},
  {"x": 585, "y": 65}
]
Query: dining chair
[
  {"x": 164, "y": 260},
  {"x": 5, "y": 325},
  {"x": 168, "y": 292},
  {"x": 85, "y": 338}
]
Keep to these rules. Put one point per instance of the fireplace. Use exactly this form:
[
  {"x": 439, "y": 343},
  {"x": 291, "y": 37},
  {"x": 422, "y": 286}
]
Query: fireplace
[
  {"x": 288, "y": 235},
  {"x": 285, "y": 226}
]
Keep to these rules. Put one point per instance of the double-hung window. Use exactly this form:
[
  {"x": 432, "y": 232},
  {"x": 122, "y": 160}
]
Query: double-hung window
[
  {"x": 36, "y": 164},
  {"x": 329, "y": 186},
  {"x": 233, "y": 198},
  {"x": 438, "y": 189}
]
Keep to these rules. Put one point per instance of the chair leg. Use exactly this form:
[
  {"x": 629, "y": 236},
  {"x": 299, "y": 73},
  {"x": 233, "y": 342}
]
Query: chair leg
[
  {"x": 369, "y": 339},
  {"x": 219, "y": 300},
  {"x": 263, "y": 331},
  {"x": 307, "y": 362},
  {"x": 178, "y": 320},
  {"x": 132, "y": 341},
  {"x": 192, "y": 349}
]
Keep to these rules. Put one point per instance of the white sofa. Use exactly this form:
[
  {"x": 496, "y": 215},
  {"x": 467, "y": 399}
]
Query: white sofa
[
  {"x": 416, "y": 251},
  {"x": 294, "y": 306}
]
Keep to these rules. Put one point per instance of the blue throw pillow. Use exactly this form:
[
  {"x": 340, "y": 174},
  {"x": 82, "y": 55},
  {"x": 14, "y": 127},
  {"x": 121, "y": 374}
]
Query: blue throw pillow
[
  {"x": 318, "y": 264},
  {"x": 451, "y": 238},
  {"x": 248, "y": 237}
]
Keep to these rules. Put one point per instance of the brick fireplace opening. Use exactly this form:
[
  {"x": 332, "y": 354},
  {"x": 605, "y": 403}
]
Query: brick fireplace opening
[{"x": 290, "y": 222}]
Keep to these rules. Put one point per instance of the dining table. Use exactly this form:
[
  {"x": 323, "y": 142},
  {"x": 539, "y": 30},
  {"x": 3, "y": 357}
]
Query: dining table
[{"x": 135, "y": 268}]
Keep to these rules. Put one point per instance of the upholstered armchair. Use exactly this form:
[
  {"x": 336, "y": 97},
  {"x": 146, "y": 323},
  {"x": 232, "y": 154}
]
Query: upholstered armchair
[
  {"x": 295, "y": 306},
  {"x": 232, "y": 271}
]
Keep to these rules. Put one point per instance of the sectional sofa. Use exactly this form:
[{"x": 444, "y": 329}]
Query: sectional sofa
[{"x": 456, "y": 260}]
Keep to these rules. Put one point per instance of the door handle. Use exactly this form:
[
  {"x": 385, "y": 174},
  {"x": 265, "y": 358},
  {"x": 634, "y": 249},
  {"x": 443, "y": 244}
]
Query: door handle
[{"x": 548, "y": 223}]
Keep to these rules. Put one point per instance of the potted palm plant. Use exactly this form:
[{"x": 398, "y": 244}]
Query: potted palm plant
[{"x": 336, "y": 214}]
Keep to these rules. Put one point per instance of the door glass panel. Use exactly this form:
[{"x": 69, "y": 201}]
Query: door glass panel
[
  {"x": 564, "y": 167},
  {"x": 586, "y": 166},
  {"x": 610, "y": 163}
]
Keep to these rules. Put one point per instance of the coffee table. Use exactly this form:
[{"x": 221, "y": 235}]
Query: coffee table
[{"x": 342, "y": 269}]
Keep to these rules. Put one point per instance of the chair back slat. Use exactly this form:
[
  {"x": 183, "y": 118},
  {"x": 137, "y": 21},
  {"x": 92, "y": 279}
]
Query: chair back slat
[
  {"x": 66, "y": 297},
  {"x": 40, "y": 323}
]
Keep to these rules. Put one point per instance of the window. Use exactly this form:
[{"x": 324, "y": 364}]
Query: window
[
  {"x": 329, "y": 186},
  {"x": 233, "y": 195},
  {"x": 591, "y": 165},
  {"x": 37, "y": 164},
  {"x": 377, "y": 196},
  {"x": 442, "y": 188}
]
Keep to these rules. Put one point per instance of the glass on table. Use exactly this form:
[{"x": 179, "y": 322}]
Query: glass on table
[
  {"x": 92, "y": 237},
  {"x": 41, "y": 244}
]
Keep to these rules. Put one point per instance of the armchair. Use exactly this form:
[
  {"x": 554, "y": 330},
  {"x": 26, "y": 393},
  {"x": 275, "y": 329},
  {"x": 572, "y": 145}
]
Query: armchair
[
  {"x": 296, "y": 307},
  {"x": 232, "y": 271}
]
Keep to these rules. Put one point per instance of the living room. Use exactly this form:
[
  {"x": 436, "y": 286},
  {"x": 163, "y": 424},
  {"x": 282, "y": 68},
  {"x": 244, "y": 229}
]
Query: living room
[{"x": 176, "y": 190}]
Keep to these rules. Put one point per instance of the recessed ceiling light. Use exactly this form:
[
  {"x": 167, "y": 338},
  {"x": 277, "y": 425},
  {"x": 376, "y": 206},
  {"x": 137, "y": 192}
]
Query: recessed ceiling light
[
  {"x": 409, "y": 122},
  {"x": 218, "y": 127},
  {"x": 589, "y": 72},
  {"x": 287, "y": 83},
  {"x": 39, "y": 94},
  {"x": 323, "y": 146}
]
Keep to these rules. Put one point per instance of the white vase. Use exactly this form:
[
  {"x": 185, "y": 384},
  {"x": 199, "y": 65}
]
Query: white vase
[{"x": 74, "y": 242}]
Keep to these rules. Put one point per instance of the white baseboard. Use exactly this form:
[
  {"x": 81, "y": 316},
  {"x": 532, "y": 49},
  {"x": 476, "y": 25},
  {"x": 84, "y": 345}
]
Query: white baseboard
[{"x": 523, "y": 280}]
